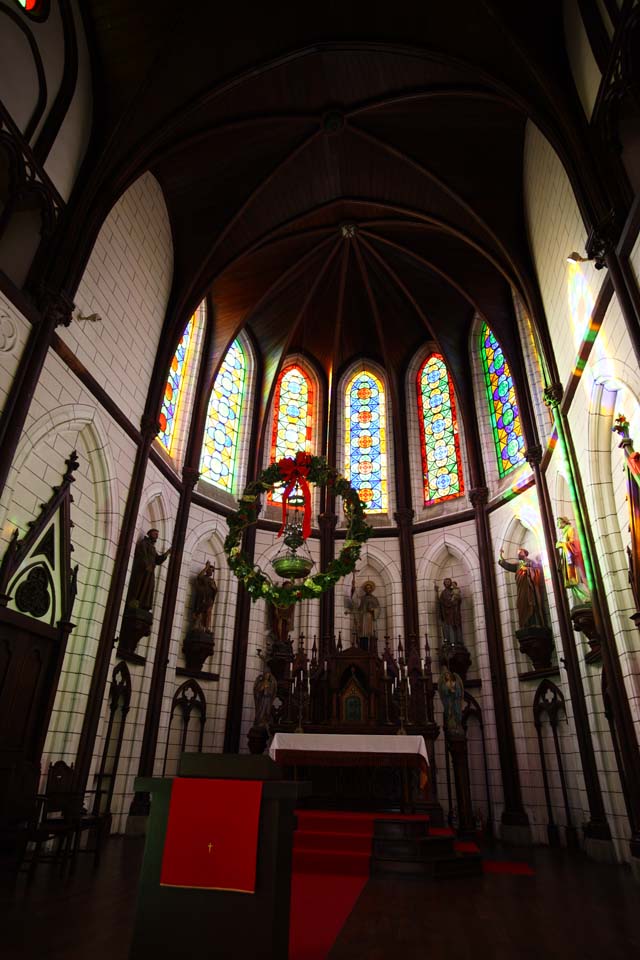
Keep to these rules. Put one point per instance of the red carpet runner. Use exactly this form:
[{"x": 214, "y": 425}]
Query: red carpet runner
[{"x": 331, "y": 856}]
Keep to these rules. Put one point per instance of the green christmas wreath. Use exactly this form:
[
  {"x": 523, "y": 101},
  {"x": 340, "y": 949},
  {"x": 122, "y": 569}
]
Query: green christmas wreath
[{"x": 302, "y": 469}]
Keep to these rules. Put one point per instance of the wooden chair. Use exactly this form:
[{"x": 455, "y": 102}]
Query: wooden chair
[{"x": 63, "y": 818}]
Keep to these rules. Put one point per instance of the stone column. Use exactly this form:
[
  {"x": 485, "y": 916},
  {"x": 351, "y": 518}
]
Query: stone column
[
  {"x": 327, "y": 523},
  {"x": 515, "y": 823},
  {"x": 149, "y": 429},
  {"x": 55, "y": 310},
  {"x": 621, "y": 712},
  {"x": 596, "y": 831},
  {"x": 140, "y": 805},
  {"x": 404, "y": 518}
]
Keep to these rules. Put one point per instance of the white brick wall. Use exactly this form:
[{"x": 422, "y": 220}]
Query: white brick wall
[
  {"x": 127, "y": 283},
  {"x": 14, "y": 332},
  {"x": 556, "y": 229}
]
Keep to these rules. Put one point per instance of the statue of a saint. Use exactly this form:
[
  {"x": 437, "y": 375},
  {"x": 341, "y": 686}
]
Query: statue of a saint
[
  {"x": 265, "y": 689},
  {"x": 572, "y": 563},
  {"x": 449, "y": 606},
  {"x": 280, "y": 624},
  {"x": 369, "y": 613},
  {"x": 451, "y": 690},
  {"x": 204, "y": 597},
  {"x": 530, "y": 597},
  {"x": 143, "y": 571}
]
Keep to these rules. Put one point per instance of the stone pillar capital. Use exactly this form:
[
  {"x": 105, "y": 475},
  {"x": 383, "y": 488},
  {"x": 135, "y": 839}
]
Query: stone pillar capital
[
  {"x": 327, "y": 521},
  {"x": 552, "y": 395},
  {"x": 56, "y": 306},
  {"x": 190, "y": 476},
  {"x": 404, "y": 516},
  {"x": 479, "y": 496},
  {"x": 534, "y": 455},
  {"x": 149, "y": 427}
]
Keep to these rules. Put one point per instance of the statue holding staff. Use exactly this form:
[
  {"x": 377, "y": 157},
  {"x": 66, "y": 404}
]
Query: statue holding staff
[
  {"x": 143, "y": 571},
  {"x": 529, "y": 590}
]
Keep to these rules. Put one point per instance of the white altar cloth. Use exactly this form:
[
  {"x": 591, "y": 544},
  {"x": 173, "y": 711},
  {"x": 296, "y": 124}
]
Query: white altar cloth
[{"x": 339, "y": 743}]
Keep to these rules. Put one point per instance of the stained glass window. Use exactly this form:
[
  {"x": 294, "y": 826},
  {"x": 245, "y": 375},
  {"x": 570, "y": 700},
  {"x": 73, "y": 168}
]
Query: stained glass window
[
  {"x": 174, "y": 388},
  {"x": 36, "y": 8},
  {"x": 293, "y": 417},
  {"x": 220, "y": 450},
  {"x": 441, "y": 463},
  {"x": 365, "y": 443},
  {"x": 503, "y": 405}
]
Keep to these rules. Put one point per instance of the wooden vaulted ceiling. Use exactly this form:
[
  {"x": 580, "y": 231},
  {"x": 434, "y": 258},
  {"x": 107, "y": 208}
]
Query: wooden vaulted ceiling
[{"x": 346, "y": 179}]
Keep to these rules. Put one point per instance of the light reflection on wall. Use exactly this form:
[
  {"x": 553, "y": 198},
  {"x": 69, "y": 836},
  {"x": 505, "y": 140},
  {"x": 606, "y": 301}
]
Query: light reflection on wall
[
  {"x": 528, "y": 514},
  {"x": 581, "y": 301}
]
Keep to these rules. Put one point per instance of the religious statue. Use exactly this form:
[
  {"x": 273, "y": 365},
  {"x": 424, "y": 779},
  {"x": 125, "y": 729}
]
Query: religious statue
[
  {"x": 449, "y": 607},
  {"x": 530, "y": 597},
  {"x": 369, "y": 612},
  {"x": 451, "y": 690},
  {"x": 280, "y": 625},
  {"x": 572, "y": 563},
  {"x": 265, "y": 689},
  {"x": 204, "y": 597},
  {"x": 143, "y": 572},
  {"x": 365, "y": 612}
]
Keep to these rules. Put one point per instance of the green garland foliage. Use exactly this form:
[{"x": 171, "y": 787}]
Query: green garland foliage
[{"x": 258, "y": 584}]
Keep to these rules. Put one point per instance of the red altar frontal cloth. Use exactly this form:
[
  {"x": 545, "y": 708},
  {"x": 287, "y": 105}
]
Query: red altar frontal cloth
[{"x": 212, "y": 835}]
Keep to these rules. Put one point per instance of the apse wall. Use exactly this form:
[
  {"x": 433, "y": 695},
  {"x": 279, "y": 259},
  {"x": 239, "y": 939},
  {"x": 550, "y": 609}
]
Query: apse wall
[
  {"x": 606, "y": 385},
  {"x": 126, "y": 282},
  {"x": 556, "y": 229}
]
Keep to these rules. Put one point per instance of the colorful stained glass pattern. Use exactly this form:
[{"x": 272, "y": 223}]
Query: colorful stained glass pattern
[
  {"x": 503, "y": 405},
  {"x": 441, "y": 463},
  {"x": 293, "y": 417},
  {"x": 220, "y": 451},
  {"x": 174, "y": 387},
  {"x": 365, "y": 444}
]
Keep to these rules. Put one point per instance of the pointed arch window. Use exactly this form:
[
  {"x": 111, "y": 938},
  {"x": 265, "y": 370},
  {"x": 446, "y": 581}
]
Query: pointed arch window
[
  {"x": 174, "y": 388},
  {"x": 441, "y": 461},
  {"x": 366, "y": 440},
  {"x": 219, "y": 459},
  {"x": 503, "y": 404},
  {"x": 293, "y": 418}
]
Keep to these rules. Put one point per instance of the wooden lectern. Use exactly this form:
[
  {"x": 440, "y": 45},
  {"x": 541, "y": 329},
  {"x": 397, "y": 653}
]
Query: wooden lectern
[{"x": 174, "y": 921}]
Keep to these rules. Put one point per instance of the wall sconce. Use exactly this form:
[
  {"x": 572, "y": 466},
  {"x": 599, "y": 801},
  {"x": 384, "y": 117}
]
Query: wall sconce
[{"x": 576, "y": 258}]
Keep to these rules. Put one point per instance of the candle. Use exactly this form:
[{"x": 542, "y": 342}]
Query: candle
[
  {"x": 422, "y": 662},
  {"x": 409, "y": 686},
  {"x": 308, "y": 685},
  {"x": 384, "y": 664}
]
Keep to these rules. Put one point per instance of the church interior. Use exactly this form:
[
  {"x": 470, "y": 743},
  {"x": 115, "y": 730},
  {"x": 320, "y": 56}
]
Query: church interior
[{"x": 320, "y": 383}]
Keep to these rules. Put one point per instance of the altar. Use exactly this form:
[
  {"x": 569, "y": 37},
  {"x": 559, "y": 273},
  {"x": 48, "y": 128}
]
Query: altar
[{"x": 364, "y": 769}]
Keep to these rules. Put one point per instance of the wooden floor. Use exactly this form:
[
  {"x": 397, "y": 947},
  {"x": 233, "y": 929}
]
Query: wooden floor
[{"x": 571, "y": 908}]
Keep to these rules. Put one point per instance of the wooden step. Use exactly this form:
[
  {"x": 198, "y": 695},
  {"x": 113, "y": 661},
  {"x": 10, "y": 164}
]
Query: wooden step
[{"x": 420, "y": 848}]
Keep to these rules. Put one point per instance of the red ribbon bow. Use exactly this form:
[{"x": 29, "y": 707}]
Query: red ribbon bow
[{"x": 296, "y": 472}]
